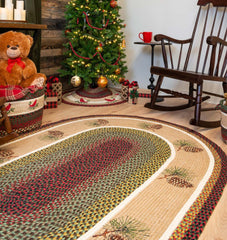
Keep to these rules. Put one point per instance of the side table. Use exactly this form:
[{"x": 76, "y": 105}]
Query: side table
[{"x": 151, "y": 79}]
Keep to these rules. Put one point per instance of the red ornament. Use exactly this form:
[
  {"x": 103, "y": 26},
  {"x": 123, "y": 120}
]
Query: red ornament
[
  {"x": 67, "y": 31},
  {"x": 113, "y": 3}
]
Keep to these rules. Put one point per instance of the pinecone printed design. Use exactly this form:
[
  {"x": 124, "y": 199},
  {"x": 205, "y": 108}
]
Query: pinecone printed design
[
  {"x": 179, "y": 182},
  {"x": 55, "y": 134},
  {"x": 115, "y": 237},
  {"x": 178, "y": 177},
  {"x": 152, "y": 127},
  {"x": 6, "y": 154},
  {"x": 192, "y": 149},
  {"x": 100, "y": 122},
  {"x": 187, "y": 146}
]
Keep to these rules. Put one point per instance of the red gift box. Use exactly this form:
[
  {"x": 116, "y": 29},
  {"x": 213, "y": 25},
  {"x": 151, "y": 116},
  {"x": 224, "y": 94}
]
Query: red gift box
[
  {"x": 49, "y": 82},
  {"x": 54, "y": 85},
  {"x": 51, "y": 100}
]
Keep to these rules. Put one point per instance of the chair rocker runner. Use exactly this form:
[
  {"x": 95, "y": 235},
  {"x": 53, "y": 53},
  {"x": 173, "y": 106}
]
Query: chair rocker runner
[{"x": 209, "y": 39}]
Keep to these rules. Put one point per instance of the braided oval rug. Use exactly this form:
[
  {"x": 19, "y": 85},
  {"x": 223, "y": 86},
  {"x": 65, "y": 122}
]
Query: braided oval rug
[{"x": 109, "y": 177}]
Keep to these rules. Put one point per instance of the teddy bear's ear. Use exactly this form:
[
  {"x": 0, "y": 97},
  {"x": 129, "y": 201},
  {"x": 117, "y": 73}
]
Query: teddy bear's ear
[{"x": 30, "y": 39}]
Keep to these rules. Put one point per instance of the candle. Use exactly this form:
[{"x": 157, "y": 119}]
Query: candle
[
  {"x": 17, "y": 14},
  {"x": 20, "y": 5},
  {"x": 10, "y": 14},
  {"x": 8, "y": 4},
  {"x": 3, "y": 14},
  {"x": 23, "y": 15}
]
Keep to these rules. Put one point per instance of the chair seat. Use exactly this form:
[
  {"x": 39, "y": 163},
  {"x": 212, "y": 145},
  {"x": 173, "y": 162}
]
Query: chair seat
[{"x": 188, "y": 76}]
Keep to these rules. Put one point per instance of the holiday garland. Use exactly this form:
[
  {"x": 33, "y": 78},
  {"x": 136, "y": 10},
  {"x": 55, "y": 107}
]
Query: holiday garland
[
  {"x": 93, "y": 26},
  {"x": 87, "y": 58}
]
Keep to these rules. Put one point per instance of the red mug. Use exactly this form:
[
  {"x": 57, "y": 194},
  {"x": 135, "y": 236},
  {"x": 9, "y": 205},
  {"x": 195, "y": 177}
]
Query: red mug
[{"x": 146, "y": 36}]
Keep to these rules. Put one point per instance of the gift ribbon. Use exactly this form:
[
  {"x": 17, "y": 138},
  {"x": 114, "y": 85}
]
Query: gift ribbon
[{"x": 11, "y": 63}]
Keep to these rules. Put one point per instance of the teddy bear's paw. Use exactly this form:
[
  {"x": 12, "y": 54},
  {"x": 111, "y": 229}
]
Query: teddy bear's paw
[{"x": 38, "y": 82}]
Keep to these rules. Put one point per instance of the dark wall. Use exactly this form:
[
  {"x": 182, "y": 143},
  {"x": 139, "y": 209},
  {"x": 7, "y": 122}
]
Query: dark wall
[{"x": 53, "y": 15}]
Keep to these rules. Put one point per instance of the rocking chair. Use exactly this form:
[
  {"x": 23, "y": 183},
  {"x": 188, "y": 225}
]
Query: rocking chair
[
  {"x": 210, "y": 62},
  {"x": 4, "y": 120}
]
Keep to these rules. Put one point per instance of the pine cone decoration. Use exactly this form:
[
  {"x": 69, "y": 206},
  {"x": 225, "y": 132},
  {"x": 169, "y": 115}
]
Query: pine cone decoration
[
  {"x": 6, "y": 154},
  {"x": 115, "y": 237},
  {"x": 179, "y": 182},
  {"x": 156, "y": 126},
  {"x": 55, "y": 134},
  {"x": 102, "y": 121},
  {"x": 192, "y": 149}
]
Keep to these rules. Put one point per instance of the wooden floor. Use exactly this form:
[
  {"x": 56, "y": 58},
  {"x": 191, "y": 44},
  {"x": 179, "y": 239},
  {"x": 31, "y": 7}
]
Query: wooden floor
[{"x": 216, "y": 228}]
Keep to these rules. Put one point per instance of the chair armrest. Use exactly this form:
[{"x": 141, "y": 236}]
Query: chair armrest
[
  {"x": 211, "y": 40},
  {"x": 161, "y": 37}
]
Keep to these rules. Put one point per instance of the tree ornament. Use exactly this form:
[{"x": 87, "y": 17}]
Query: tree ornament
[
  {"x": 118, "y": 71},
  {"x": 99, "y": 48},
  {"x": 67, "y": 31},
  {"x": 76, "y": 81},
  {"x": 121, "y": 80},
  {"x": 102, "y": 82},
  {"x": 123, "y": 44},
  {"x": 113, "y": 3}
]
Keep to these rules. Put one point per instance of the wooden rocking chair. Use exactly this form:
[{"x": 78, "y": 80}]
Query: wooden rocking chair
[
  {"x": 4, "y": 120},
  {"x": 210, "y": 63}
]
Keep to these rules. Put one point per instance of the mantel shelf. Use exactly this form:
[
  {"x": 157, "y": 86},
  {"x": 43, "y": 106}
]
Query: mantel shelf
[{"x": 21, "y": 25}]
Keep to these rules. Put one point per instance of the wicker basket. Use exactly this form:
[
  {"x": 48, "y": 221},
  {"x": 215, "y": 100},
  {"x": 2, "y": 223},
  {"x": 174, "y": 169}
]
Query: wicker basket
[{"x": 25, "y": 114}]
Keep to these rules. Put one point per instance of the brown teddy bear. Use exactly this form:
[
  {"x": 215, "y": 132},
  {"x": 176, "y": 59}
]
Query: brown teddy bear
[{"x": 15, "y": 66}]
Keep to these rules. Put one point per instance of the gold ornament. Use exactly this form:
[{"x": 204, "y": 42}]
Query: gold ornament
[
  {"x": 118, "y": 71},
  {"x": 76, "y": 81},
  {"x": 123, "y": 44},
  {"x": 102, "y": 82}
]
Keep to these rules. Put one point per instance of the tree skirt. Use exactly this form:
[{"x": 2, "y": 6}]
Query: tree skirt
[
  {"x": 93, "y": 97},
  {"x": 118, "y": 177}
]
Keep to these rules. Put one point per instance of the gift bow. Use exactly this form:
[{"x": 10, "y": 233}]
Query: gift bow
[
  {"x": 11, "y": 63},
  {"x": 133, "y": 84}
]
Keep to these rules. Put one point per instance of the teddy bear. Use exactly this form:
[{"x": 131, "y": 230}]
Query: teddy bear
[{"x": 16, "y": 69}]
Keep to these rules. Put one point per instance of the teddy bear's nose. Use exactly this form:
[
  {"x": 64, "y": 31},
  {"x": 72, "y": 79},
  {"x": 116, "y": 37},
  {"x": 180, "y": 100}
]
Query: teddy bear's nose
[{"x": 13, "y": 48}]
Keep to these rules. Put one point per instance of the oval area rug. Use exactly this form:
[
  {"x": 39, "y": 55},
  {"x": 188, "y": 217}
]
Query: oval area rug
[{"x": 109, "y": 177}]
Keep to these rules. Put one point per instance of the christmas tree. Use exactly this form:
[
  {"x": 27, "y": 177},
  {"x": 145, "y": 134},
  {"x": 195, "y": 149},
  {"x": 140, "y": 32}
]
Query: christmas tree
[{"x": 96, "y": 45}]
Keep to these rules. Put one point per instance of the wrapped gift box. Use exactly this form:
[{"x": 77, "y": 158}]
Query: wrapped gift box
[
  {"x": 53, "y": 85},
  {"x": 51, "y": 100}
]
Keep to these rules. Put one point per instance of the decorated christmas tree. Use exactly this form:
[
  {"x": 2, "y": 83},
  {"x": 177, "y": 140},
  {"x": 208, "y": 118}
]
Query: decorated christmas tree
[{"x": 96, "y": 46}]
